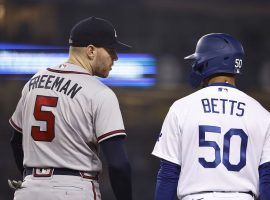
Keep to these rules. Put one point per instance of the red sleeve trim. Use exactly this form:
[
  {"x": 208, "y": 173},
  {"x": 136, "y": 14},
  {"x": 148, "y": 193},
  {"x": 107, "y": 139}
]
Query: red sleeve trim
[
  {"x": 110, "y": 134},
  {"x": 17, "y": 128}
]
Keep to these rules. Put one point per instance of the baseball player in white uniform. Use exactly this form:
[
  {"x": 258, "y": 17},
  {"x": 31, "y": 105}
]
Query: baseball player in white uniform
[
  {"x": 65, "y": 115},
  {"x": 215, "y": 143}
]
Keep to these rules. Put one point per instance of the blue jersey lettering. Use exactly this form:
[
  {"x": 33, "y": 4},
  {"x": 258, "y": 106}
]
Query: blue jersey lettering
[{"x": 223, "y": 106}]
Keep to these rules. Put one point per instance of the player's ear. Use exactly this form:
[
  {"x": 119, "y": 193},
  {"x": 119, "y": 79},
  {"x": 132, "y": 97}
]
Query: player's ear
[{"x": 91, "y": 51}]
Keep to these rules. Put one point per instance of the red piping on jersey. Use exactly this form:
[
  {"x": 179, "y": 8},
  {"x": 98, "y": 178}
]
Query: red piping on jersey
[
  {"x": 67, "y": 72},
  {"x": 14, "y": 125},
  {"x": 110, "y": 133},
  {"x": 94, "y": 191}
]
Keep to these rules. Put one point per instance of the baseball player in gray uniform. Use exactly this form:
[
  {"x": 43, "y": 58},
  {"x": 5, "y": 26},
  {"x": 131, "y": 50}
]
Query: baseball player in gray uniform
[{"x": 65, "y": 115}]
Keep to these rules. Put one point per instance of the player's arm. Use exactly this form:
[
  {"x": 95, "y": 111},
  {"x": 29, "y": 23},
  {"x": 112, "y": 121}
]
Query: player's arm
[
  {"x": 17, "y": 149},
  {"x": 110, "y": 134},
  {"x": 168, "y": 149},
  {"x": 264, "y": 178},
  {"x": 16, "y": 122},
  {"x": 118, "y": 166},
  {"x": 167, "y": 180}
]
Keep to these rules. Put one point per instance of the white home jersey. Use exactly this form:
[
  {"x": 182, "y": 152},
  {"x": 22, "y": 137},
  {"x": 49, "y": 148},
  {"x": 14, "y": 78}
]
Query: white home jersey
[
  {"x": 63, "y": 114},
  {"x": 219, "y": 136}
]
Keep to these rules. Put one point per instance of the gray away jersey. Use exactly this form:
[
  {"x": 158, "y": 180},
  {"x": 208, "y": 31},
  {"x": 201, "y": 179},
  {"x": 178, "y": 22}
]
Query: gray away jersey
[{"x": 63, "y": 114}]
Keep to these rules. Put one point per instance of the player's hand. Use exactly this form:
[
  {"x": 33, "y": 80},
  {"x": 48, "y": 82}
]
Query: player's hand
[{"x": 14, "y": 184}]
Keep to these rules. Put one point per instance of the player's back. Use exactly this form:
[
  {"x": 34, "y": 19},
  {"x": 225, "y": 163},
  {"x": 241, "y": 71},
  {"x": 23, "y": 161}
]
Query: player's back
[
  {"x": 223, "y": 132},
  {"x": 59, "y": 109}
]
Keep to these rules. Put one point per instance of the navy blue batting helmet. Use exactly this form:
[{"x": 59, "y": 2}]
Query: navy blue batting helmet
[{"x": 216, "y": 53}]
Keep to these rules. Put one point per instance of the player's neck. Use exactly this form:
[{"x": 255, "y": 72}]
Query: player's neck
[
  {"x": 84, "y": 63},
  {"x": 221, "y": 79}
]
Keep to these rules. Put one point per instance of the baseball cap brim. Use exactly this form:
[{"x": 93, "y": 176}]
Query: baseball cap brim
[{"x": 119, "y": 46}]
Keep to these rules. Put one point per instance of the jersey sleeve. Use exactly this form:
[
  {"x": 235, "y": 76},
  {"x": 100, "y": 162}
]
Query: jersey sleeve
[
  {"x": 16, "y": 119},
  {"x": 168, "y": 144},
  {"x": 266, "y": 148},
  {"x": 108, "y": 120}
]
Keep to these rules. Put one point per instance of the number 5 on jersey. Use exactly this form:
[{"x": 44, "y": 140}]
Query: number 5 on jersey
[
  {"x": 226, "y": 147},
  {"x": 45, "y": 116}
]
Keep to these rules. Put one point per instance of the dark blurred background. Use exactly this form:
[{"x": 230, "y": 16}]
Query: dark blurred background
[{"x": 168, "y": 29}]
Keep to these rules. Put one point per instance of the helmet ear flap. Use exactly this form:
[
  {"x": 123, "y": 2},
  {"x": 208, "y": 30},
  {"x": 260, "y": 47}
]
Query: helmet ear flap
[
  {"x": 196, "y": 77},
  {"x": 200, "y": 68}
]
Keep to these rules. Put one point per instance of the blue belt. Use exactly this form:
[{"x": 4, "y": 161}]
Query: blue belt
[{"x": 248, "y": 192}]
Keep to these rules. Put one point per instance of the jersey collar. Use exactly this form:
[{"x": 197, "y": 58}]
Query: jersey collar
[
  {"x": 68, "y": 68},
  {"x": 73, "y": 67},
  {"x": 222, "y": 84}
]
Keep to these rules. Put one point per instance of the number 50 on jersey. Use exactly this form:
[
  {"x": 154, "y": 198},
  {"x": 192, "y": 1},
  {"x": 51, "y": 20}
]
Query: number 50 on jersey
[{"x": 225, "y": 151}]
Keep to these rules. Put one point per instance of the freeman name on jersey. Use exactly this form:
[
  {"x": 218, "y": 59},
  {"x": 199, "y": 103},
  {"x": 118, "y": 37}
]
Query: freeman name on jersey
[{"x": 56, "y": 83}]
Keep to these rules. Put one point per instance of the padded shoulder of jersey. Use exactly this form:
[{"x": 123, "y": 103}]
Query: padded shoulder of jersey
[{"x": 95, "y": 87}]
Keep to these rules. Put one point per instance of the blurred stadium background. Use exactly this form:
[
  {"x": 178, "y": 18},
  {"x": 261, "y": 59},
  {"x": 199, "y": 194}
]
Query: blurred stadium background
[{"x": 164, "y": 30}]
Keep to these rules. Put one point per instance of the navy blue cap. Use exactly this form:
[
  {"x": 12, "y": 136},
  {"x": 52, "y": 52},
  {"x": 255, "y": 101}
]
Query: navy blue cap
[{"x": 96, "y": 31}]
